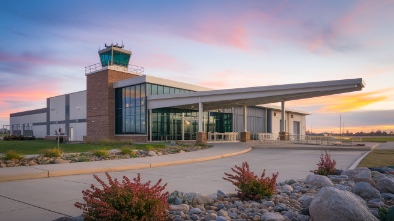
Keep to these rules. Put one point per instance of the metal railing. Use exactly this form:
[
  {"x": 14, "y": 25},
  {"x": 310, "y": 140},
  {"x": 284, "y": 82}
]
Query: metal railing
[
  {"x": 308, "y": 139},
  {"x": 227, "y": 136},
  {"x": 266, "y": 136},
  {"x": 129, "y": 68},
  {"x": 322, "y": 140}
]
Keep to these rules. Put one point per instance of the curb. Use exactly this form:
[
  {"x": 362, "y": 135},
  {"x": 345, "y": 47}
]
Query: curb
[
  {"x": 355, "y": 164},
  {"x": 48, "y": 173}
]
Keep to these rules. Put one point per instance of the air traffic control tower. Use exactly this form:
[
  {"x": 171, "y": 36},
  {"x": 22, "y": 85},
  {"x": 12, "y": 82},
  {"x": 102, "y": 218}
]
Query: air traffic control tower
[{"x": 100, "y": 93}]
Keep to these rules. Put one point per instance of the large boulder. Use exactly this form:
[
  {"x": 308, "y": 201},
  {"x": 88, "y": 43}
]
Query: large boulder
[
  {"x": 331, "y": 204},
  {"x": 385, "y": 185},
  {"x": 183, "y": 207},
  {"x": 176, "y": 197},
  {"x": 366, "y": 191},
  {"x": 360, "y": 172},
  {"x": 203, "y": 200},
  {"x": 368, "y": 180},
  {"x": 318, "y": 180}
]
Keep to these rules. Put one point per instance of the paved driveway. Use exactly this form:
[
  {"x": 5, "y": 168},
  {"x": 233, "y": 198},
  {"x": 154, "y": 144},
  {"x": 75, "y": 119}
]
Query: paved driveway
[{"x": 51, "y": 198}]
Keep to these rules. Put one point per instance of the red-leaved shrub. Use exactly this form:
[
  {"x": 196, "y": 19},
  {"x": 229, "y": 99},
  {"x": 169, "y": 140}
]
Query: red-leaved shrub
[
  {"x": 326, "y": 165},
  {"x": 128, "y": 200},
  {"x": 250, "y": 186}
]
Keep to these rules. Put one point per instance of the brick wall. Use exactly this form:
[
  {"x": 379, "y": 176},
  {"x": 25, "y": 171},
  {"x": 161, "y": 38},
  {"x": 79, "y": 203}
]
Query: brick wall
[{"x": 100, "y": 103}]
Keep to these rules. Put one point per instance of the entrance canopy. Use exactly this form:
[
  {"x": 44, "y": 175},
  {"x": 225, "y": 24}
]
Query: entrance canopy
[{"x": 226, "y": 98}]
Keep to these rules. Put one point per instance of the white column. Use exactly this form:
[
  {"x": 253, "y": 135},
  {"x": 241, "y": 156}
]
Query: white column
[
  {"x": 200, "y": 113},
  {"x": 282, "y": 124},
  {"x": 183, "y": 126},
  {"x": 266, "y": 120},
  {"x": 245, "y": 118},
  {"x": 150, "y": 124}
]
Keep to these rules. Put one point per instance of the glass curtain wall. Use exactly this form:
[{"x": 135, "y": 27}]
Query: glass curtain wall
[
  {"x": 131, "y": 115},
  {"x": 220, "y": 122},
  {"x": 167, "y": 124},
  {"x": 130, "y": 106},
  {"x": 130, "y": 110}
]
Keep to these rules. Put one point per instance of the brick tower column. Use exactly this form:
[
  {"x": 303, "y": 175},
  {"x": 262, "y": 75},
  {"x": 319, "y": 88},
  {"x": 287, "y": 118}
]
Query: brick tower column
[{"x": 100, "y": 99}]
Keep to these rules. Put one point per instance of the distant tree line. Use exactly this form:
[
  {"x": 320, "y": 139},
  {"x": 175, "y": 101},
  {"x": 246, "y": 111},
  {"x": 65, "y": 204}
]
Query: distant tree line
[{"x": 361, "y": 133}]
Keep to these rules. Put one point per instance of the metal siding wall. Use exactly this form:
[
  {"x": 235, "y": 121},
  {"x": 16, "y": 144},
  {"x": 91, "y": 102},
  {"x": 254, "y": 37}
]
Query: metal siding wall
[
  {"x": 39, "y": 131},
  {"x": 67, "y": 110},
  {"x": 78, "y": 105},
  {"x": 256, "y": 119},
  {"x": 48, "y": 117},
  {"x": 39, "y": 118},
  {"x": 79, "y": 130}
]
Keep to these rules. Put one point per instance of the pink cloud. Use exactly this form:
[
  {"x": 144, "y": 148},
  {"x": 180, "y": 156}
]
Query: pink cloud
[
  {"x": 162, "y": 61},
  {"x": 221, "y": 80},
  {"x": 25, "y": 98}
]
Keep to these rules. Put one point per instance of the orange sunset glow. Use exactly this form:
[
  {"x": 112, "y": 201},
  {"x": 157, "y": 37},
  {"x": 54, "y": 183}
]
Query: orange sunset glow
[{"x": 221, "y": 44}]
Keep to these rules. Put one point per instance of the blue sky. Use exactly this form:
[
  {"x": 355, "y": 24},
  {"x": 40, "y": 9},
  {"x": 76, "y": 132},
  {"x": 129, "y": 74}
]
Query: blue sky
[{"x": 45, "y": 46}]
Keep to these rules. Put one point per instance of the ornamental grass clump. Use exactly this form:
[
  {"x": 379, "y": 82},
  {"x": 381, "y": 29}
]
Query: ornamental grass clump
[
  {"x": 100, "y": 153},
  {"x": 326, "y": 165},
  {"x": 129, "y": 200},
  {"x": 250, "y": 186},
  {"x": 128, "y": 151},
  {"x": 53, "y": 152},
  {"x": 12, "y": 155}
]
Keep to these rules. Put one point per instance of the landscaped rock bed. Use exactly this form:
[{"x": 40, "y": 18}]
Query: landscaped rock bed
[
  {"x": 113, "y": 154},
  {"x": 355, "y": 195}
]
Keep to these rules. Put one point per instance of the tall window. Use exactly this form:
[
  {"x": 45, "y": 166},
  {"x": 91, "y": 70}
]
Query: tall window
[{"x": 130, "y": 106}]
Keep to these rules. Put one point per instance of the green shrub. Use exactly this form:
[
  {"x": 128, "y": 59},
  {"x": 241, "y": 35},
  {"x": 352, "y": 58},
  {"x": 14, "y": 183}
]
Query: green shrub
[
  {"x": 12, "y": 155},
  {"x": 100, "y": 153},
  {"x": 382, "y": 213},
  {"x": 326, "y": 165},
  {"x": 250, "y": 186},
  {"x": 150, "y": 146},
  {"x": 53, "y": 152},
  {"x": 18, "y": 137},
  {"x": 386, "y": 214},
  {"x": 128, "y": 151},
  {"x": 129, "y": 200}
]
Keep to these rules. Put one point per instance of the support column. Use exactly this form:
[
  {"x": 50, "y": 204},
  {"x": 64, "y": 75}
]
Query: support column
[
  {"x": 200, "y": 114},
  {"x": 245, "y": 118},
  {"x": 283, "y": 135},
  {"x": 150, "y": 124},
  {"x": 266, "y": 120},
  {"x": 183, "y": 126},
  {"x": 201, "y": 137},
  {"x": 245, "y": 135}
]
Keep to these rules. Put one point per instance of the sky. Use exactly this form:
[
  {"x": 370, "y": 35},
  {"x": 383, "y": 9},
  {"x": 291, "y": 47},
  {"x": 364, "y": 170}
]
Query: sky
[{"x": 46, "y": 45}]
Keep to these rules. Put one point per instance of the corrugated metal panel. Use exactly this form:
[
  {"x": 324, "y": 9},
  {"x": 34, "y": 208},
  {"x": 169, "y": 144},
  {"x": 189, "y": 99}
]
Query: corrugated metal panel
[{"x": 256, "y": 119}]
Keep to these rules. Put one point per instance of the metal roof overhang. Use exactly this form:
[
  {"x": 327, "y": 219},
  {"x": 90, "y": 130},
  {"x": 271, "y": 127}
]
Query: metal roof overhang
[{"x": 226, "y": 98}]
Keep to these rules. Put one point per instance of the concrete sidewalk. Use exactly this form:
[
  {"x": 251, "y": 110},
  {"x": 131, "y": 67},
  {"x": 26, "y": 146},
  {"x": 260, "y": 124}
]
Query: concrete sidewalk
[
  {"x": 55, "y": 170},
  {"x": 220, "y": 150}
]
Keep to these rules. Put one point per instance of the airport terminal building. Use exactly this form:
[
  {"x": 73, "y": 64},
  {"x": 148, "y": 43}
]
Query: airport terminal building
[{"x": 121, "y": 102}]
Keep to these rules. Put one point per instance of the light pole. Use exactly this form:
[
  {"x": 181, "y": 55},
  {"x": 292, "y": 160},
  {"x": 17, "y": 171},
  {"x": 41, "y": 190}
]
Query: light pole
[
  {"x": 57, "y": 123},
  {"x": 343, "y": 127},
  {"x": 340, "y": 124}
]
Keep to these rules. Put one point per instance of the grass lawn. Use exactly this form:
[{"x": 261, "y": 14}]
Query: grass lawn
[
  {"x": 378, "y": 158},
  {"x": 377, "y": 139},
  {"x": 37, "y": 146}
]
